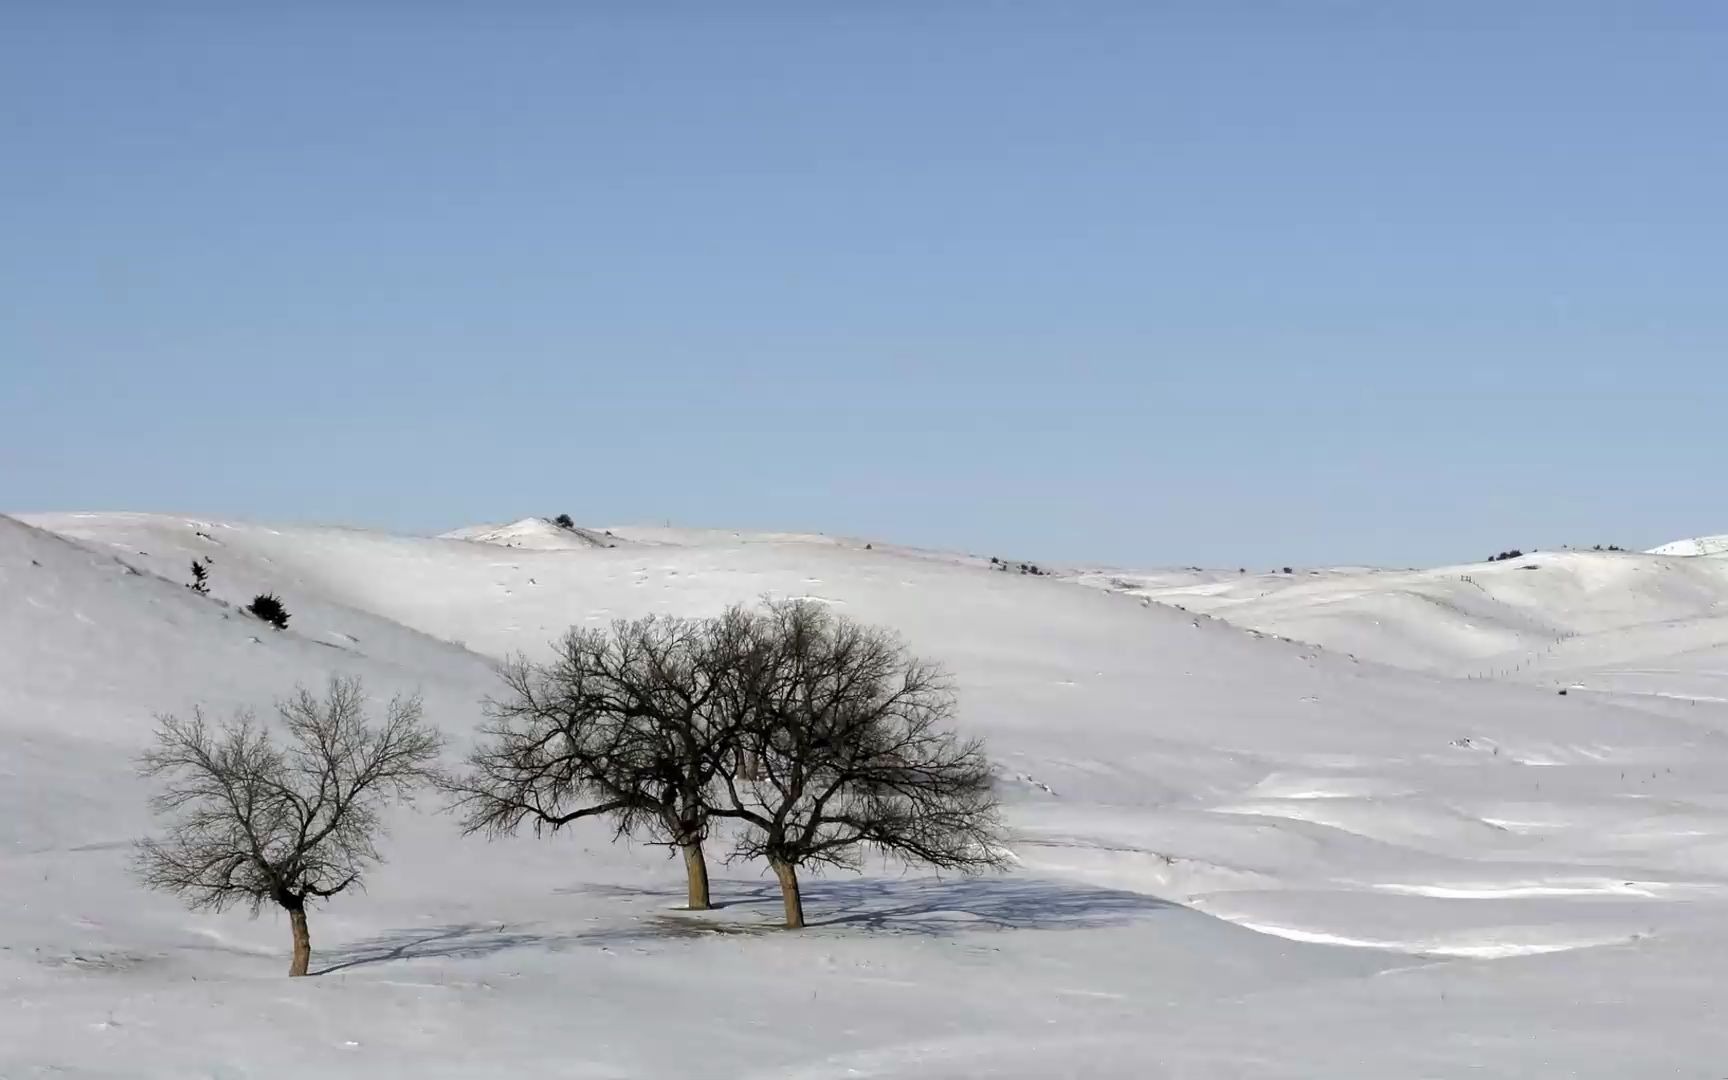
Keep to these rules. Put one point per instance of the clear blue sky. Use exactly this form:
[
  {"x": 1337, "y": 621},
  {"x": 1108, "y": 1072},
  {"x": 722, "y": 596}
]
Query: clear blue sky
[{"x": 1231, "y": 283}]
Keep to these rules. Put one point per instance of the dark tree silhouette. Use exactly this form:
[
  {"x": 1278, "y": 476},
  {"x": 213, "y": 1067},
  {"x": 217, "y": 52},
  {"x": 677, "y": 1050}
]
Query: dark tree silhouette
[
  {"x": 200, "y": 583},
  {"x": 268, "y": 606},
  {"x": 621, "y": 723},
  {"x": 841, "y": 743},
  {"x": 564, "y": 521},
  {"x": 251, "y": 820},
  {"x": 821, "y": 737}
]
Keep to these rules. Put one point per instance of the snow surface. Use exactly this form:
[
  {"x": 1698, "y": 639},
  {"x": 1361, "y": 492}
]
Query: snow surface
[
  {"x": 536, "y": 533},
  {"x": 1549, "y": 617},
  {"x": 1238, "y": 855},
  {"x": 1700, "y": 545}
]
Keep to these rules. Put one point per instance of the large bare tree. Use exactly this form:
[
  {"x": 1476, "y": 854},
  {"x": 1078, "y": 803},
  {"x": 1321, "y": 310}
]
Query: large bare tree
[
  {"x": 254, "y": 820},
  {"x": 620, "y": 723},
  {"x": 843, "y": 743}
]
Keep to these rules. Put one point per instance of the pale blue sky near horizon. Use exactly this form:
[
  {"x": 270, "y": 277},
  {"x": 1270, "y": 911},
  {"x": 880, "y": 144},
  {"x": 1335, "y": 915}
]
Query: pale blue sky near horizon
[{"x": 1143, "y": 284}]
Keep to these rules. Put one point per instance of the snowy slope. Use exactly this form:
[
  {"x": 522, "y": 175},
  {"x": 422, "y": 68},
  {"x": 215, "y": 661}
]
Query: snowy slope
[
  {"x": 1551, "y": 617},
  {"x": 542, "y": 533},
  {"x": 532, "y": 532},
  {"x": 1239, "y": 855},
  {"x": 1701, "y": 545}
]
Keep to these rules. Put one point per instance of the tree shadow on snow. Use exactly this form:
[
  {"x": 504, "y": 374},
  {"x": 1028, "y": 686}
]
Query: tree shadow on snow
[
  {"x": 928, "y": 905},
  {"x": 935, "y": 907},
  {"x": 605, "y": 888},
  {"x": 941, "y": 906},
  {"x": 916, "y": 904},
  {"x": 459, "y": 941}
]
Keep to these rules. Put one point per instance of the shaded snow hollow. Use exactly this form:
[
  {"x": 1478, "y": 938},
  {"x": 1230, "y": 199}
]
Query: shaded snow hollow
[{"x": 1238, "y": 855}]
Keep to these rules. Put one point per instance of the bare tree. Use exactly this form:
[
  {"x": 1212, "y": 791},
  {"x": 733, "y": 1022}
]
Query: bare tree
[
  {"x": 842, "y": 744},
  {"x": 619, "y": 723},
  {"x": 251, "y": 820}
]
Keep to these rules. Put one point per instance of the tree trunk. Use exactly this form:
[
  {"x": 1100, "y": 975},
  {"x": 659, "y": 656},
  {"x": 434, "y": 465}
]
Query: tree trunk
[
  {"x": 302, "y": 942},
  {"x": 788, "y": 875},
  {"x": 696, "y": 871}
]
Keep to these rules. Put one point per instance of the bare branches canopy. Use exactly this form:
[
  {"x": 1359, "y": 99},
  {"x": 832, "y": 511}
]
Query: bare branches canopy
[
  {"x": 253, "y": 818},
  {"x": 803, "y": 737},
  {"x": 848, "y": 745},
  {"x": 816, "y": 736},
  {"x": 621, "y": 723}
]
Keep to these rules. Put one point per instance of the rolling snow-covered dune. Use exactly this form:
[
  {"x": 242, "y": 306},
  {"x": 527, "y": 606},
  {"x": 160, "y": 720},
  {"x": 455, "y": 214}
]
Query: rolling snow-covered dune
[
  {"x": 1549, "y": 617},
  {"x": 1237, "y": 855},
  {"x": 1698, "y": 545}
]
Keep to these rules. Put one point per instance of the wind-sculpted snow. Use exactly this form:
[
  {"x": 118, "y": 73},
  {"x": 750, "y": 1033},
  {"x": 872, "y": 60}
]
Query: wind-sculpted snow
[
  {"x": 1550, "y": 618},
  {"x": 1236, "y": 855}
]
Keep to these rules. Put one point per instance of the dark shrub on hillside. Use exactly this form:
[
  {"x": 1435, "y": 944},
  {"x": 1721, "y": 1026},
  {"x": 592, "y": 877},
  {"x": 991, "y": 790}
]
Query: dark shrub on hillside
[
  {"x": 268, "y": 606},
  {"x": 563, "y": 521}
]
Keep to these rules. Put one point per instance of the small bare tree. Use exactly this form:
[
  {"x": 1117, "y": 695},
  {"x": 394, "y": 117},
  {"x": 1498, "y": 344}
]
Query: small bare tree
[
  {"x": 619, "y": 723},
  {"x": 843, "y": 744},
  {"x": 251, "y": 820}
]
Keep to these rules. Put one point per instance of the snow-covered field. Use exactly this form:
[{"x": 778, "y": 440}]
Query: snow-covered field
[{"x": 1353, "y": 831}]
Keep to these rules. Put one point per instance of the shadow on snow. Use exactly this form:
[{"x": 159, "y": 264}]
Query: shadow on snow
[
  {"x": 459, "y": 941},
  {"x": 938, "y": 906},
  {"x": 928, "y": 906}
]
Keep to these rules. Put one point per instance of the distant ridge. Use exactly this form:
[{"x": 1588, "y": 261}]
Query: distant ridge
[
  {"x": 1698, "y": 545},
  {"x": 532, "y": 532}
]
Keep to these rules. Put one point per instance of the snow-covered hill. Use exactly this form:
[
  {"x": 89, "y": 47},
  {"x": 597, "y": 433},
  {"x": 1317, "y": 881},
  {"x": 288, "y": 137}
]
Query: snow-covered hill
[
  {"x": 1239, "y": 855},
  {"x": 535, "y": 533},
  {"x": 1700, "y": 545},
  {"x": 1555, "y": 618},
  {"x": 544, "y": 534}
]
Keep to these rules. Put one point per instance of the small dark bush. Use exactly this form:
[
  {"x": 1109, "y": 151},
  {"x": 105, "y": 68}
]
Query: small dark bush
[
  {"x": 1504, "y": 555},
  {"x": 268, "y": 606},
  {"x": 563, "y": 521},
  {"x": 200, "y": 575},
  {"x": 1287, "y": 570}
]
